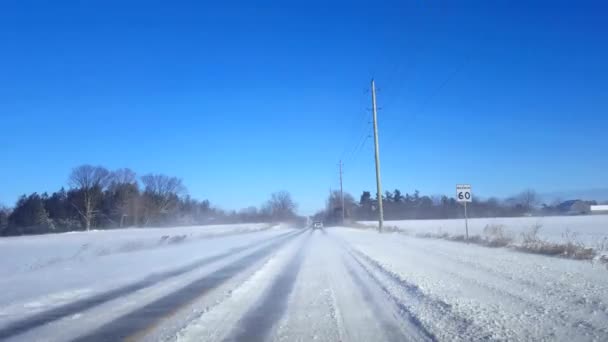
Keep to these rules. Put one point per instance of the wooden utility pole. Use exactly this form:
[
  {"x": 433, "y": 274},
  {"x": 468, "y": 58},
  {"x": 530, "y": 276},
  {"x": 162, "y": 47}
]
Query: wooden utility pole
[
  {"x": 341, "y": 192},
  {"x": 377, "y": 154}
]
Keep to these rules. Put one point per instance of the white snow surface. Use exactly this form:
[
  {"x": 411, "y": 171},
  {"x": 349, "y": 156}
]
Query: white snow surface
[
  {"x": 589, "y": 229},
  {"x": 30, "y": 253},
  {"x": 469, "y": 292},
  {"x": 39, "y": 272},
  {"x": 423, "y": 289},
  {"x": 337, "y": 284}
]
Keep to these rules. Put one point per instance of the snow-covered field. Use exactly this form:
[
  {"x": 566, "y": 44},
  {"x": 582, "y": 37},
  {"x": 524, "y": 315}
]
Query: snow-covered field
[
  {"x": 590, "y": 229},
  {"x": 280, "y": 284},
  {"x": 473, "y": 292},
  {"x": 30, "y": 253},
  {"x": 41, "y": 272}
]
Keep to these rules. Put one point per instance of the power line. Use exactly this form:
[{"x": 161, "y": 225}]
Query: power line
[
  {"x": 361, "y": 149},
  {"x": 355, "y": 125},
  {"x": 394, "y": 81},
  {"x": 348, "y": 149},
  {"x": 357, "y": 147},
  {"x": 427, "y": 101}
]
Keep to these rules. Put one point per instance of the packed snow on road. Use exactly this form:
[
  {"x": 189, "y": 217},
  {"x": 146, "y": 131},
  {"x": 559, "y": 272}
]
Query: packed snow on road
[{"x": 276, "y": 283}]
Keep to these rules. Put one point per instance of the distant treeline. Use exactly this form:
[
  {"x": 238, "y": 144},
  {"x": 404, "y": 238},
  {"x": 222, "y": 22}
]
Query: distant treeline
[
  {"x": 101, "y": 199},
  {"x": 398, "y": 206}
]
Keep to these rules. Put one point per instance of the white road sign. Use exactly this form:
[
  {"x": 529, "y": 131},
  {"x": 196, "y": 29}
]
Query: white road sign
[{"x": 463, "y": 193}]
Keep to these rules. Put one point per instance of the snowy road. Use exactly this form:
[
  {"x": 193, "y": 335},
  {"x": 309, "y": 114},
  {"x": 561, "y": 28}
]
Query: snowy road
[{"x": 337, "y": 284}]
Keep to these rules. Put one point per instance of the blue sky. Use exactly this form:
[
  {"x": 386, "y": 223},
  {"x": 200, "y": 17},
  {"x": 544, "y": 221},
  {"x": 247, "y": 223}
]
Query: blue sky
[{"x": 240, "y": 100}]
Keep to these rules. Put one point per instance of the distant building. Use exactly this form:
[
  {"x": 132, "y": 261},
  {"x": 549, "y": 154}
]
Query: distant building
[
  {"x": 599, "y": 209},
  {"x": 574, "y": 207}
]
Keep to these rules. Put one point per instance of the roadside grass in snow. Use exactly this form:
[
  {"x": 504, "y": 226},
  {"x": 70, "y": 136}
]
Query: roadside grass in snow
[
  {"x": 385, "y": 229},
  {"x": 357, "y": 225},
  {"x": 571, "y": 247},
  {"x": 496, "y": 235}
]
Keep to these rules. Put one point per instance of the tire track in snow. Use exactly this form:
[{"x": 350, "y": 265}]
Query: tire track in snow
[
  {"x": 141, "y": 319},
  {"x": 314, "y": 313},
  {"x": 259, "y": 321},
  {"x": 213, "y": 317},
  {"x": 413, "y": 321},
  {"x": 435, "y": 316},
  {"x": 415, "y": 330},
  {"x": 69, "y": 309},
  {"x": 531, "y": 307},
  {"x": 336, "y": 314},
  {"x": 567, "y": 297}
]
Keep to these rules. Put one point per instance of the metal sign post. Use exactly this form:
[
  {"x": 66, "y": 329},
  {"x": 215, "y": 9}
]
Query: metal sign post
[
  {"x": 463, "y": 194},
  {"x": 466, "y": 222}
]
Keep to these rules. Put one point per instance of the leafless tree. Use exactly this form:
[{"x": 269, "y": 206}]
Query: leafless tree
[
  {"x": 125, "y": 194},
  {"x": 90, "y": 181},
  {"x": 334, "y": 205},
  {"x": 123, "y": 176},
  {"x": 281, "y": 206},
  {"x": 161, "y": 193},
  {"x": 528, "y": 199},
  {"x": 4, "y": 214},
  {"x": 249, "y": 214}
]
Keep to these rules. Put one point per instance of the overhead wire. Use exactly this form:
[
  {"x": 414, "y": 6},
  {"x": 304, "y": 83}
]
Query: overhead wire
[
  {"x": 354, "y": 126},
  {"x": 427, "y": 100}
]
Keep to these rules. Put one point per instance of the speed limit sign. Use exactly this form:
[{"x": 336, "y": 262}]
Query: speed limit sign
[{"x": 463, "y": 193}]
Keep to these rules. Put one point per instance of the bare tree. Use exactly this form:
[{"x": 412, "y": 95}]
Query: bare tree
[
  {"x": 90, "y": 181},
  {"x": 125, "y": 195},
  {"x": 123, "y": 176},
  {"x": 281, "y": 206},
  {"x": 4, "y": 215},
  {"x": 528, "y": 200},
  {"x": 161, "y": 193},
  {"x": 333, "y": 207},
  {"x": 249, "y": 214}
]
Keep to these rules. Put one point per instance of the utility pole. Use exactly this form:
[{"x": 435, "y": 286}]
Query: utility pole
[
  {"x": 377, "y": 154},
  {"x": 341, "y": 192}
]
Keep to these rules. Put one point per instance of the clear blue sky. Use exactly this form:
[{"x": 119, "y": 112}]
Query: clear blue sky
[{"x": 243, "y": 100}]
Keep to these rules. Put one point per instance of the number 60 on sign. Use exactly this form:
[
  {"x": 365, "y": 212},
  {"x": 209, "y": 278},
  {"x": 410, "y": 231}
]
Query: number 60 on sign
[{"x": 463, "y": 193}]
